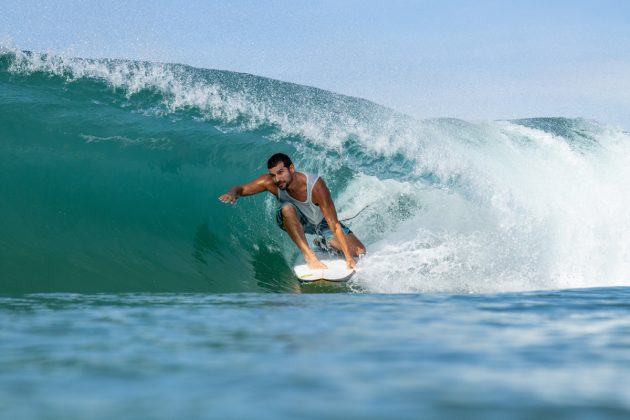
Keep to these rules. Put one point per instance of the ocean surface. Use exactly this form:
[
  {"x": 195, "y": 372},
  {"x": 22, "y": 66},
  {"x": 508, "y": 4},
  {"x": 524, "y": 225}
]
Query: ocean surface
[{"x": 496, "y": 283}]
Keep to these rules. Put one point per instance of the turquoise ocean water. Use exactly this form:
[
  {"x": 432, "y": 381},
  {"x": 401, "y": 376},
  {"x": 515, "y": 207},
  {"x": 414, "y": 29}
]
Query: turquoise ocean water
[{"x": 496, "y": 281}]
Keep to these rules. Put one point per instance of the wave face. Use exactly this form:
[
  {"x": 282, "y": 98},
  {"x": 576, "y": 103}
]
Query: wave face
[{"x": 110, "y": 172}]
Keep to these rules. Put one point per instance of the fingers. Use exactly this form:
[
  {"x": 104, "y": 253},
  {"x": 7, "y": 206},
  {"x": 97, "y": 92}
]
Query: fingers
[{"x": 228, "y": 198}]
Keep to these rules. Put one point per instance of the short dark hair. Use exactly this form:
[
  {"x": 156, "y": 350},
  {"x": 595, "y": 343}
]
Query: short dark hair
[{"x": 277, "y": 158}]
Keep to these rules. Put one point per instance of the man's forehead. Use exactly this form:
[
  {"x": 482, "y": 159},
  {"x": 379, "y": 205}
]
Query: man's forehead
[{"x": 277, "y": 168}]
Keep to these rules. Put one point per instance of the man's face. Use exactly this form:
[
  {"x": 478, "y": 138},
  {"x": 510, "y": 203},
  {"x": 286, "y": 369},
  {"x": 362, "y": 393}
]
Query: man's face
[{"x": 282, "y": 176}]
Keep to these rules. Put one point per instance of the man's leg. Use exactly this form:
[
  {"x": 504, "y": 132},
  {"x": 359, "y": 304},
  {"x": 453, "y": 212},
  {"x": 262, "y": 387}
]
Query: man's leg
[
  {"x": 291, "y": 223},
  {"x": 356, "y": 247}
]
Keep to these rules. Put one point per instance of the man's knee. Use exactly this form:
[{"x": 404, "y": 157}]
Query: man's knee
[
  {"x": 288, "y": 210},
  {"x": 359, "y": 248}
]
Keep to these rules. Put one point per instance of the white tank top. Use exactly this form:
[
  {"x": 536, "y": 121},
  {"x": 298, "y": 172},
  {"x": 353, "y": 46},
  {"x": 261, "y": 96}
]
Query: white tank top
[{"x": 312, "y": 212}]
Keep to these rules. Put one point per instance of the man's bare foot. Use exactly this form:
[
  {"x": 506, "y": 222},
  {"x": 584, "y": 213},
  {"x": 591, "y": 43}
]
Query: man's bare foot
[{"x": 313, "y": 262}]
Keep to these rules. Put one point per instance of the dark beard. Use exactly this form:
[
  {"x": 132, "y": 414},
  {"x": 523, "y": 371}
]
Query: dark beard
[{"x": 286, "y": 185}]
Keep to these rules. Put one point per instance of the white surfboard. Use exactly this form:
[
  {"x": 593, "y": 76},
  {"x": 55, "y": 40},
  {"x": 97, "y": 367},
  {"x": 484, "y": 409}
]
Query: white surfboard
[{"x": 337, "y": 270}]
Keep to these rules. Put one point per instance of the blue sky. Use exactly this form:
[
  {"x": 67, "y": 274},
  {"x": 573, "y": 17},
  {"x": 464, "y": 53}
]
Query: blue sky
[{"x": 467, "y": 59}]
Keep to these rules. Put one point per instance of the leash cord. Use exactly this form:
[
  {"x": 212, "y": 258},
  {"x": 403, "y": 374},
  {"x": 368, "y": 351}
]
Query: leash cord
[{"x": 360, "y": 211}]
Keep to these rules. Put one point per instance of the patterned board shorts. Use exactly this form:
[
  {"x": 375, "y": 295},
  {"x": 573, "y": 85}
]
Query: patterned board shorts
[{"x": 321, "y": 229}]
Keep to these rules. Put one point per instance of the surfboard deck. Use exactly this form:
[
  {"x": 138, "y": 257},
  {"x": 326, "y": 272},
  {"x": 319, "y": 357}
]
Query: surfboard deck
[{"x": 337, "y": 270}]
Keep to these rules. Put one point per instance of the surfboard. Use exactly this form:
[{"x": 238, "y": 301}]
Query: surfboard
[{"x": 337, "y": 270}]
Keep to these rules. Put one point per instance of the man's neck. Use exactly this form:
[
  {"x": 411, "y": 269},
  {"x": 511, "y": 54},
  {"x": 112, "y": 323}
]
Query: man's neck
[{"x": 299, "y": 182}]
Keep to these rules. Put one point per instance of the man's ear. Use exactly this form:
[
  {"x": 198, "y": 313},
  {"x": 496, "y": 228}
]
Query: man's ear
[{"x": 291, "y": 168}]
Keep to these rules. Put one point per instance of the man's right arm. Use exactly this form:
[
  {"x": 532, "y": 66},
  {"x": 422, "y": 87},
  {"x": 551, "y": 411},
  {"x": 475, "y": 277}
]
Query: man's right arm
[{"x": 263, "y": 183}]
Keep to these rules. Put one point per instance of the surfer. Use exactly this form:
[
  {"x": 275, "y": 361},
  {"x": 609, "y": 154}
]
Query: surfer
[{"x": 305, "y": 207}]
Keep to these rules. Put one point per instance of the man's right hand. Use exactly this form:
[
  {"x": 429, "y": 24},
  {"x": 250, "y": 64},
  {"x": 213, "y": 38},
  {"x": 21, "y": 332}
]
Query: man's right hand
[{"x": 228, "y": 198}]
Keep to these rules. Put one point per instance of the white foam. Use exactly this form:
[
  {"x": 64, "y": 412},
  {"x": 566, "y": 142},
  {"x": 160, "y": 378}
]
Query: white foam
[{"x": 530, "y": 212}]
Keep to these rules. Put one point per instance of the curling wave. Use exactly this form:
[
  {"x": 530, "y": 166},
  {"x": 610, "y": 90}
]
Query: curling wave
[{"x": 110, "y": 169}]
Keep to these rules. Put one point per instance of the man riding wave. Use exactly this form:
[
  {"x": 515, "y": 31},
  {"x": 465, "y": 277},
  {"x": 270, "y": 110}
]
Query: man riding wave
[{"x": 306, "y": 206}]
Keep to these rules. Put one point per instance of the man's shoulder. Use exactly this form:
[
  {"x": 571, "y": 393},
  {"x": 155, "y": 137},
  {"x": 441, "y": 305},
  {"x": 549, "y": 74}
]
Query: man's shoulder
[
  {"x": 320, "y": 189},
  {"x": 320, "y": 183},
  {"x": 264, "y": 179},
  {"x": 267, "y": 181}
]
